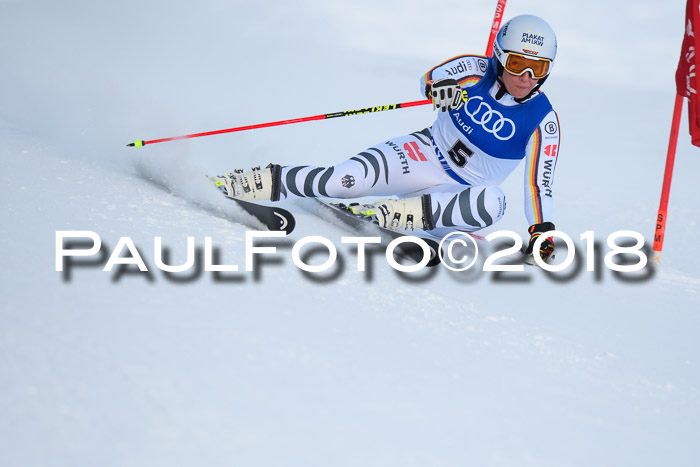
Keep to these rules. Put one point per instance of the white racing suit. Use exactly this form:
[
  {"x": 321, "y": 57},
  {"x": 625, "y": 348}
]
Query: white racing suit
[{"x": 460, "y": 161}]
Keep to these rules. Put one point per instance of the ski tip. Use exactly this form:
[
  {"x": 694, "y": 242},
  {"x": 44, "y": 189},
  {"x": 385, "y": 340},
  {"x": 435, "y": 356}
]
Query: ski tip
[{"x": 137, "y": 143}]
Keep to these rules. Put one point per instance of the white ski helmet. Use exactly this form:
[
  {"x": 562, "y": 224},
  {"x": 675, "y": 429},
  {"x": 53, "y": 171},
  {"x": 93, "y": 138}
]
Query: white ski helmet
[{"x": 526, "y": 43}]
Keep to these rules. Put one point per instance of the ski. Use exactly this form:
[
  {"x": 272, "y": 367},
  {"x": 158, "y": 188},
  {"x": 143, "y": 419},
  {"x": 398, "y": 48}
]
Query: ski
[
  {"x": 273, "y": 217},
  {"x": 366, "y": 226}
]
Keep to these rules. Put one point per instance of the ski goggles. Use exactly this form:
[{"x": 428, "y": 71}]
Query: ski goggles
[{"x": 517, "y": 64}]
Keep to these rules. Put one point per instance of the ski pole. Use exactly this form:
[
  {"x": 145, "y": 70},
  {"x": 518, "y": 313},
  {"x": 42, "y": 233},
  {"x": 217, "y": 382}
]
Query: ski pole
[
  {"x": 495, "y": 26},
  {"x": 345, "y": 113}
]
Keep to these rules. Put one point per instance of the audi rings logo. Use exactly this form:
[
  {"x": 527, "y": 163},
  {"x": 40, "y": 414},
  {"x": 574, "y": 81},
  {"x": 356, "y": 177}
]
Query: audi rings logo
[{"x": 490, "y": 120}]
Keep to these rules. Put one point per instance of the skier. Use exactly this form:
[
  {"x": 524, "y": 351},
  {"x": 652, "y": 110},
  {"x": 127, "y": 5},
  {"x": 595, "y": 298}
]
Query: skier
[{"x": 492, "y": 115}]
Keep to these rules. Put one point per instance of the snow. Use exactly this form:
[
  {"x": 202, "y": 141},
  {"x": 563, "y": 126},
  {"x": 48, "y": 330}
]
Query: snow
[{"x": 279, "y": 367}]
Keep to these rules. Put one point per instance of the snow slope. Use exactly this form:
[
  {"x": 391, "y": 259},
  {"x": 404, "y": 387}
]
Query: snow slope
[{"x": 277, "y": 367}]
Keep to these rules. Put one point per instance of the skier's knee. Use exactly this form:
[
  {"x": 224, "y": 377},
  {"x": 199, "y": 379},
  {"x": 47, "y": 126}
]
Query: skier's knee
[
  {"x": 472, "y": 209},
  {"x": 345, "y": 181},
  {"x": 494, "y": 204}
]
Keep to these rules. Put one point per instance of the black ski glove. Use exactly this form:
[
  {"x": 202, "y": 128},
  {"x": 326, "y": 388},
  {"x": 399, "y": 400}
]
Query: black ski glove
[
  {"x": 446, "y": 94},
  {"x": 547, "y": 246}
]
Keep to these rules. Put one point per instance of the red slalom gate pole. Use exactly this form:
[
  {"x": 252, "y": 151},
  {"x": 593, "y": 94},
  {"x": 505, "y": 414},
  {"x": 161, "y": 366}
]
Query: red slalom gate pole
[
  {"x": 495, "y": 26},
  {"x": 668, "y": 175}
]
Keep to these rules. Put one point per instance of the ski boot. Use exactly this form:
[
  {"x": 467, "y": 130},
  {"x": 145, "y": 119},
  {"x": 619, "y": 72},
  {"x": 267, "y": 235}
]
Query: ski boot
[
  {"x": 405, "y": 213},
  {"x": 256, "y": 185}
]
